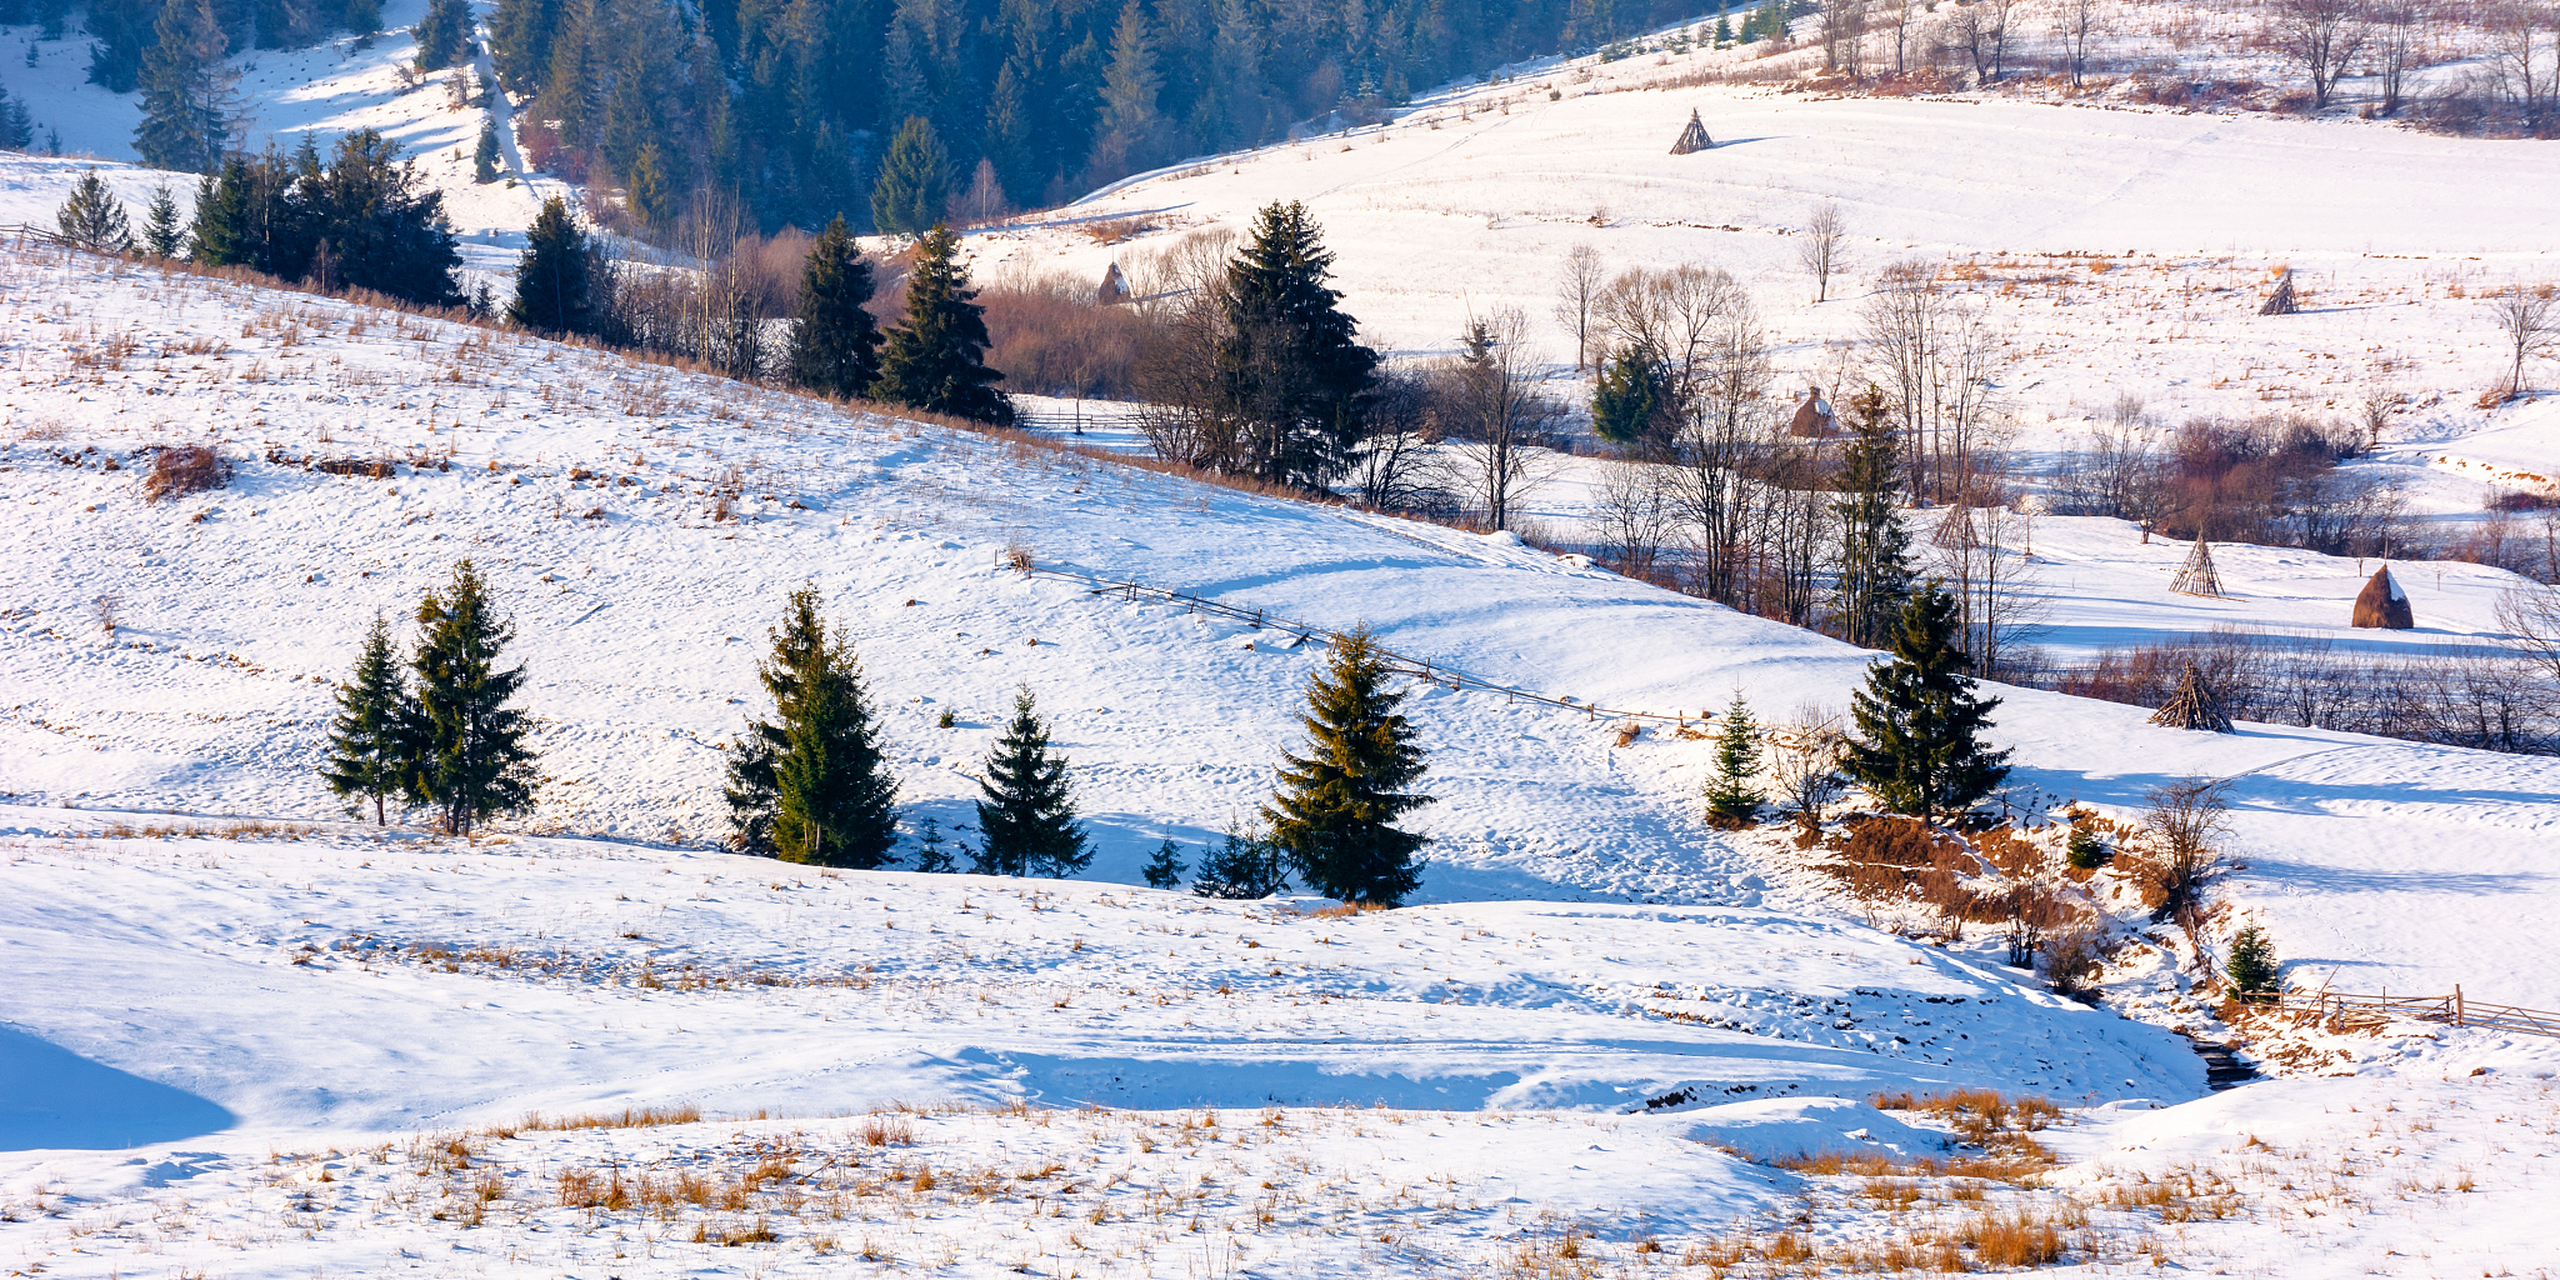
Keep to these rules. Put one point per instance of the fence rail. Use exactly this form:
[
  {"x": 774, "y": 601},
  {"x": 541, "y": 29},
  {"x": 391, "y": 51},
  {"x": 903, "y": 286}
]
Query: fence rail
[
  {"x": 2341, "y": 1011},
  {"x": 1419, "y": 668}
]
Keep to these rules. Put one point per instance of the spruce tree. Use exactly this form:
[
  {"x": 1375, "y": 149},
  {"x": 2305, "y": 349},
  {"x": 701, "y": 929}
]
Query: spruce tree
[
  {"x": 1133, "y": 131},
  {"x": 1627, "y": 394},
  {"x": 121, "y": 31},
  {"x": 186, "y": 123},
  {"x": 1240, "y": 867},
  {"x": 369, "y": 754},
  {"x": 1920, "y": 720},
  {"x": 555, "y": 288},
  {"x": 470, "y": 760},
  {"x": 1027, "y": 816},
  {"x": 935, "y": 359},
  {"x": 1732, "y": 801},
  {"x": 93, "y": 219},
  {"x": 1289, "y": 366},
  {"x": 1873, "y": 569},
  {"x": 385, "y": 225},
  {"x": 444, "y": 35},
  {"x": 1334, "y": 813},
  {"x": 363, "y": 19},
  {"x": 811, "y": 784},
  {"x": 484, "y": 154},
  {"x": 933, "y": 853},
  {"x": 1164, "y": 869},
  {"x": 17, "y": 129},
  {"x": 835, "y": 344},
  {"x": 914, "y": 190},
  {"x": 161, "y": 232},
  {"x": 2253, "y": 969}
]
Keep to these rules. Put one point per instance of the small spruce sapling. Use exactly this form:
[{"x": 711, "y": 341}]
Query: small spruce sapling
[
  {"x": 1241, "y": 867},
  {"x": 2087, "y": 849},
  {"x": 1732, "y": 802},
  {"x": 1164, "y": 870},
  {"x": 933, "y": 853},
  {"x": 162, "y": 232},
  {"x": 93, "y": 219},
  {"x": 2253, "y": 968},
  {"x": 1336, "y": 806},
  {"x": 1028, "y": 815}
]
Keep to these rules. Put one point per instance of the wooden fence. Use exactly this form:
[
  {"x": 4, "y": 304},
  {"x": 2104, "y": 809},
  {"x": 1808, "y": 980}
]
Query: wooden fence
[
  {"x": 1418, "y": 668},
  {"x": 2339, "y": 1011}
]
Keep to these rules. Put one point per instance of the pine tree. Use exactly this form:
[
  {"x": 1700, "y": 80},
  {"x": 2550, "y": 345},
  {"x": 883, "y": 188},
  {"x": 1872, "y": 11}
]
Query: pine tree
[
  {"x": 470, "y": 759},
  {"x": 811, "y": 784},
  {"x": 444, "y": 35},
  {"x": 555, "y": 286},
  {"x": 935, "y": 359},
  {"x": 1289, "y": 365},
  {"x": 122, "y": 31},
  {"x": 835, "y": 344},
  {"x": 1164, "y": 869},
  {"x": 914, "y": 189},
  {"x": 93, "y": 219},
  {"x": 484, "y": 155},
  {"x": 1625, "y": 397},
  {"x": 1133, "y": 129},
  {"x": 1874, "y": 571},
  {"x": 17, "y": 130},
  {"x": 1028, "y": 814},
  {"x": 369, "y": 752},
  {"x": 363, "y": 19},
  {"x": 933, "y": 853},
  {"x": 2253, "y": 969},
  {"x": 1921, "y": 721},
  {"x": 161, "y": 233},
  {"x": 1240, "y": 867},
  {"x": 185, "y": 121},
  {"x": 1335, "y": 810},
  {"x": 386, "y": 226},
  {"x": 1732, "y": 802}
]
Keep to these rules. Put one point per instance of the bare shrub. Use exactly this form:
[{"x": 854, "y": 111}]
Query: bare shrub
[
  {"x": 179, "y": 470},
  {"x": 1804, "y": 762},
  {"x": 2074, "y": 956},
  {"x": 2187, "y": 820},
  {"x": 1051, "y": 335},
  {"x": 2528, "y": 319}
]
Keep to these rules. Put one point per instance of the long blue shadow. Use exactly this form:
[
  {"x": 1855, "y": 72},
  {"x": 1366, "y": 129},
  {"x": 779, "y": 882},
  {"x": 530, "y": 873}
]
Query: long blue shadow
[{"x": 51, "y": 1097}]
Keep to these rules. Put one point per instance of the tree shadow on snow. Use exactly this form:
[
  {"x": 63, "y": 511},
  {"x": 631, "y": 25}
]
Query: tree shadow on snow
[{"x": 51, "y": 1097}]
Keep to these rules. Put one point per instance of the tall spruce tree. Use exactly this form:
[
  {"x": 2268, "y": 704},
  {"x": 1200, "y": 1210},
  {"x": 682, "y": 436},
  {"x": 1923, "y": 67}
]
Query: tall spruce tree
[
  {"x": 835, "y": 344},
  {"x": 1732, "y": 801},
  {"x": 444, "y": 35},
  {"x": 834, "y": 803},
  {"x": 471, "y": 761},
  {"x": 914, "y": 190},
  {"x": 1336, "y": 807},
  {"x": 1134, "y": 133},
  {"x": 385, "y": 225},
  {"x": 1027, "y": 810},
  {"x": 186, "y": 123},
  {"x": 555, "y": 284},
  {"x": 17, "y": 128},
  {"x": 93, "y": 219},
  {"x": 1873, "y": 570},
  {"x": 799, "y": 644},
  {"x": 484, "y": 153},
  {"x": 369, "y": 740},
  {"x": 1920, "y": 721},
  {"x": 935, "y": 359},
  {"x": 162, "y": 233},
  {"x": 121, "y": 31},
  {"x": 1290, "y": 366}
]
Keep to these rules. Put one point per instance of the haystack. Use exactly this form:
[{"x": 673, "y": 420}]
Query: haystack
[
  {"x": 2193, "y": 706},
  {"x": 1814, "y": 418},
  {"x": 1693, "y": 138},
  {"x": 1115, "y": 287},
  {"x": 2196, "y": 577},
  {"x": 2383, "y": 604},
  {"x": 2281, "y": 303},
  {"x": 1955, "y": 530}
]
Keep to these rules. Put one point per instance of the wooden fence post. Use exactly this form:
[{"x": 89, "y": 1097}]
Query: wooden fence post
[{"x": 2457, "y": 1004}]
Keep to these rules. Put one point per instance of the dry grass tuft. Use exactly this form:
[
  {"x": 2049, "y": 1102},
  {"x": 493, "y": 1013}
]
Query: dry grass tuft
[{"x": 179, "y": 470}]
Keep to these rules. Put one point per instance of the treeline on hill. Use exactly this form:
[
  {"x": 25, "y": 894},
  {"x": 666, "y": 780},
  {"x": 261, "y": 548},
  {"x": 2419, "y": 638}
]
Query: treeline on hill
[{"x": 797, "y": 106}]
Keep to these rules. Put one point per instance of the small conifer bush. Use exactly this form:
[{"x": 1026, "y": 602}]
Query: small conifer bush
[
  {"x": 1164, "y": 870},
  {"x": 2253, "y": 969}
]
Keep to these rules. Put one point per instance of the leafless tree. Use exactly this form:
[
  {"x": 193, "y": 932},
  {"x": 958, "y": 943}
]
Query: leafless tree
[
  {"x": 2396, "y": 28},
  {"x": 1805, "y": 763},
  {"x": 1844, "y": 28},
  {"x": 2075, "y": 24},
  {"x": 1820, "y": 249},
  {"x": 1578, "y": 287},
  {"x": 1497, "y": 418},
  {"x": 1674, "y": 312},
  {"x": 1720, "y": 444},
  {"x": 1936, "y": 357},
  {"x": 2188, "y": 818},
  {"x": 1394, "y": 468},
  {"x": 1985, "y": 565},
  {"x": 984, "y": 201},
  {"x": 2518, "y": 31},
  {"x": 2320, "y": 36},
  {"x": 2529, "y": 319},
  {"x": 1982, "y": 31},
  {"x": 1897, "y": 19},
  {"x": 1633, "y": 505},
  {"x": 2531, "y": 614}
]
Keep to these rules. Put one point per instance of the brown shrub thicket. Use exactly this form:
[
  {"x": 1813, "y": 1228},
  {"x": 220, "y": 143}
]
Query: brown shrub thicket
[
  {"x": 182, "y": 469},
  {"x": 1052, "y": 337}
]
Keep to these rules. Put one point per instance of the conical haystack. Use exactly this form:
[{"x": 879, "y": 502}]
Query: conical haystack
[
  {"x": 2281, "y": 302},
  {"x": 2196, "y": 577},
  {"x": 2193, "y": 706},
  {"x": 1114, "y": 287},
  {"x": 2383, "y": 604},
  {"x": 1955, "y": 530},
  {"x": 1693, "y": 138}
]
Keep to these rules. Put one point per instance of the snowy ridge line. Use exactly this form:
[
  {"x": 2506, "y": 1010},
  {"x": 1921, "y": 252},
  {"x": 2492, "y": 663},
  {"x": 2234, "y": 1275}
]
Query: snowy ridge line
[
  {"x": 2339, "y": 1011},
  {"x": 1399, "y": 664}
]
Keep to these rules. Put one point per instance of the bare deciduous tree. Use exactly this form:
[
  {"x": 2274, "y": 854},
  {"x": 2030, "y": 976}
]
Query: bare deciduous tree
[
  {"x": 1820, "y": 249},
  {"x": 1634, "y": 508},
  {"x": 2528, "y": 318},
  {"x": 1982, "y": 31},
  {"x": 1496, "y": 415},
  {"x": 1897, "y": 19},
  {"x": 1805, "y": 765},
  {"x": 2518, "y": 32},
  {"x": 2075, "y": 24},
  {"x": 2396, "y": 29},
  {"x": 1720, "y": 443},
  {"x": 1844, "y": 29},
  {"x": 1936, "y": 356},
  {"x": 2188, "y": 819},
  {"x": 1578, "y": 287},
  {"x": 2320, "y": 36},
  {"x": 1986, "y": 569}
]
